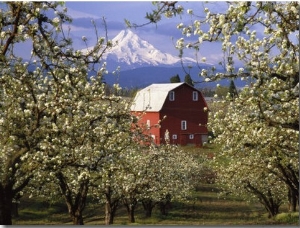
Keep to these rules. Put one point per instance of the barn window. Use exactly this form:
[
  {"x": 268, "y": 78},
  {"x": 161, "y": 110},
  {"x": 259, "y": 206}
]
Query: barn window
[
  {"x": 148, "y": 124},
  {"x": 174, "y": 136},
  {"x": 171, "y": 95},
  {"x": 191, "y": 136},
  {"x": 183, "y": 125},
  {"x": 195, "y": 95}
]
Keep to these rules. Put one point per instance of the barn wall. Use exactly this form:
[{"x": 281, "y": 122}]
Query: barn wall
[
  {"x": 184, "y": 108},
  {"x": 151, "y": 118}
]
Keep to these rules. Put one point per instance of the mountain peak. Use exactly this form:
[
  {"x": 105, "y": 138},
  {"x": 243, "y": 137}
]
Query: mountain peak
[
  {"x": 132, "y": 52},
  {"x": 124, "y": 33}
]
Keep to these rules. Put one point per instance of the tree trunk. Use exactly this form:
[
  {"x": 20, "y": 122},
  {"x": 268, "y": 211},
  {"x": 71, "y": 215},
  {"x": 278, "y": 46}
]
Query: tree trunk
[
  {"x": 5, "y": 205},
  {"x": 15, "y": 205},
  {"x": 163, "y": 208},
  {"x": 148, "y": 207},
  {"x": 7, "y": 194},
  {"x": 15, "y": 209},
  {"x": 75, "y": 208},
  {"x": 293, "y": 200},
  {"x": 165, "y": 205},
  {"x": 108, "y": 214},
  {"x": 130, "y": 213},
  {"x": 291, "y": 178},
  {"x": 75, "y": 214},
  {"x": 130, "y": 206},
  {"x": 111, "y": 206},
  {"x": 273, "y": 210},
  {"x": 110, "y": 211},
  {"x": 77, "y": 218},
  {"x": 270, "y": 203},
  {"x": 131, "y": 217}
]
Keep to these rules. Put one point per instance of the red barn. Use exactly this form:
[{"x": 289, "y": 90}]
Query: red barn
[{"x": 173, "y": 111}]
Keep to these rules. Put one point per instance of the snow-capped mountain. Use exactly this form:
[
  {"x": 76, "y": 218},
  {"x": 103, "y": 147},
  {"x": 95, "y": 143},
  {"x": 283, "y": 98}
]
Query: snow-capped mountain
[
  {"x": 131, "y": 52},
  {"x": 141, "y": 63}
]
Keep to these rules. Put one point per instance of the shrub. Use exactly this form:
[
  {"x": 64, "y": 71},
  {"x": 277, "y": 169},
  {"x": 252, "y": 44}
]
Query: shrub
[{"x": 288, "y": 218}]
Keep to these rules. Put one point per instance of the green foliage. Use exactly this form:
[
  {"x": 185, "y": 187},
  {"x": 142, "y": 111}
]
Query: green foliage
[
  {"x": 207, "y": 92},
  {"x": 188, "y": 80},
  {"x": 222, "y": 91},
  {"x": 175, "y": 79},
  {"x": 232, "y": 90},
  {"x": 288, "y": 218}
]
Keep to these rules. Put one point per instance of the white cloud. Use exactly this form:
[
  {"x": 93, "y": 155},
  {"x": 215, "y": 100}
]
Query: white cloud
[
  {"x": 79, "y": 14},
  {"x": 73, "y": 28}
]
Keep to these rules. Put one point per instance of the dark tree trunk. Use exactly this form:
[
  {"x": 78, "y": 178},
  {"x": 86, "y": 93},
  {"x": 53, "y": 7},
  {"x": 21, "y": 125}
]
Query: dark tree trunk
[
  {"x": 110, "y": 211},
  {"x": 7, "y": 194},
  {"x": 131, "y": 217},
  {"x": 163, "y": 208},
  {"x": 15, "y": 205},
  {"x": 165, "y": 205},
  {"x": 148, "y": 207},
  {"x": 15, "y": 209},
  {"x": 291, "y": 177},
  {"x": 5, "y": 205},
  {"x": 111, "y": 206},
  {"x": 75, "y": 212},
  {"x": 77, "y": 218},
  {"x": 293, "y": 199},
  {"x": 130, "y": 206},
  {"x": 130, "y": 213},
  {"x": 75, "y": 208},
  {"x": 270, "y": 203},
  {"x": 273, "y": 210}
]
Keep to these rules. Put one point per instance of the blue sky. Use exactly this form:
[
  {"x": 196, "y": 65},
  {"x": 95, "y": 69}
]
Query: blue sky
[{"x": 115, "y": 12}]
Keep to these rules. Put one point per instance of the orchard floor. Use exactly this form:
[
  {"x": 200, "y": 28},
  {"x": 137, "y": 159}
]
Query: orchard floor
[{"x": 205, "y": 208}]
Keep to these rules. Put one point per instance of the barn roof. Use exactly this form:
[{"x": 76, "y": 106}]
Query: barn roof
[{"x": 153, "y": 97}]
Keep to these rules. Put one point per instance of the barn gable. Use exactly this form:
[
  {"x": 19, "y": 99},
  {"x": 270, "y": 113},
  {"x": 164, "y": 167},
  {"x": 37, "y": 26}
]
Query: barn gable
[{"x": 152, "y": 98}]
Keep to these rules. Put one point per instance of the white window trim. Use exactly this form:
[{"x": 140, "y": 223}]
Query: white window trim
[
  {"x": 191, "y": 136},
  {"x": 195, "y": 96},
  {"x": 183, "y": 125},
  {"x": 172, "y": 96},
  {"x": 174, "y": 136}
]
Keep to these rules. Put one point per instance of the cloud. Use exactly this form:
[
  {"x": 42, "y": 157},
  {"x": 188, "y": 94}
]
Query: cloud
[{"x": 75, "y": 14}]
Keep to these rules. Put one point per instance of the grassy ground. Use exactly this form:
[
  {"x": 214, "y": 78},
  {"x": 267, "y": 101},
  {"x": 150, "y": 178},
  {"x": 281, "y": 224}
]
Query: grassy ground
[{"x": 203, "y": 208}]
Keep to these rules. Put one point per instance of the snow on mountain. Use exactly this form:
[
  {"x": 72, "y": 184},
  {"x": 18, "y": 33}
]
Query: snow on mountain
[{"x": 132, "y": 52}]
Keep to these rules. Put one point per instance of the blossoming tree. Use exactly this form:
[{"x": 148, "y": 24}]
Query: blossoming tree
[
  {"x": 157, "y": 176},
  {"x": 259, "y": 130},
  {"x": 146, "y": 174},
  {"x": 57, "y": 123}
]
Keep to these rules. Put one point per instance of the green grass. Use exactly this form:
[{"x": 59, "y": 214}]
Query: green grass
[
  {"x": 288, "y": 218},
  {"x": 204, "y": 207}
]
